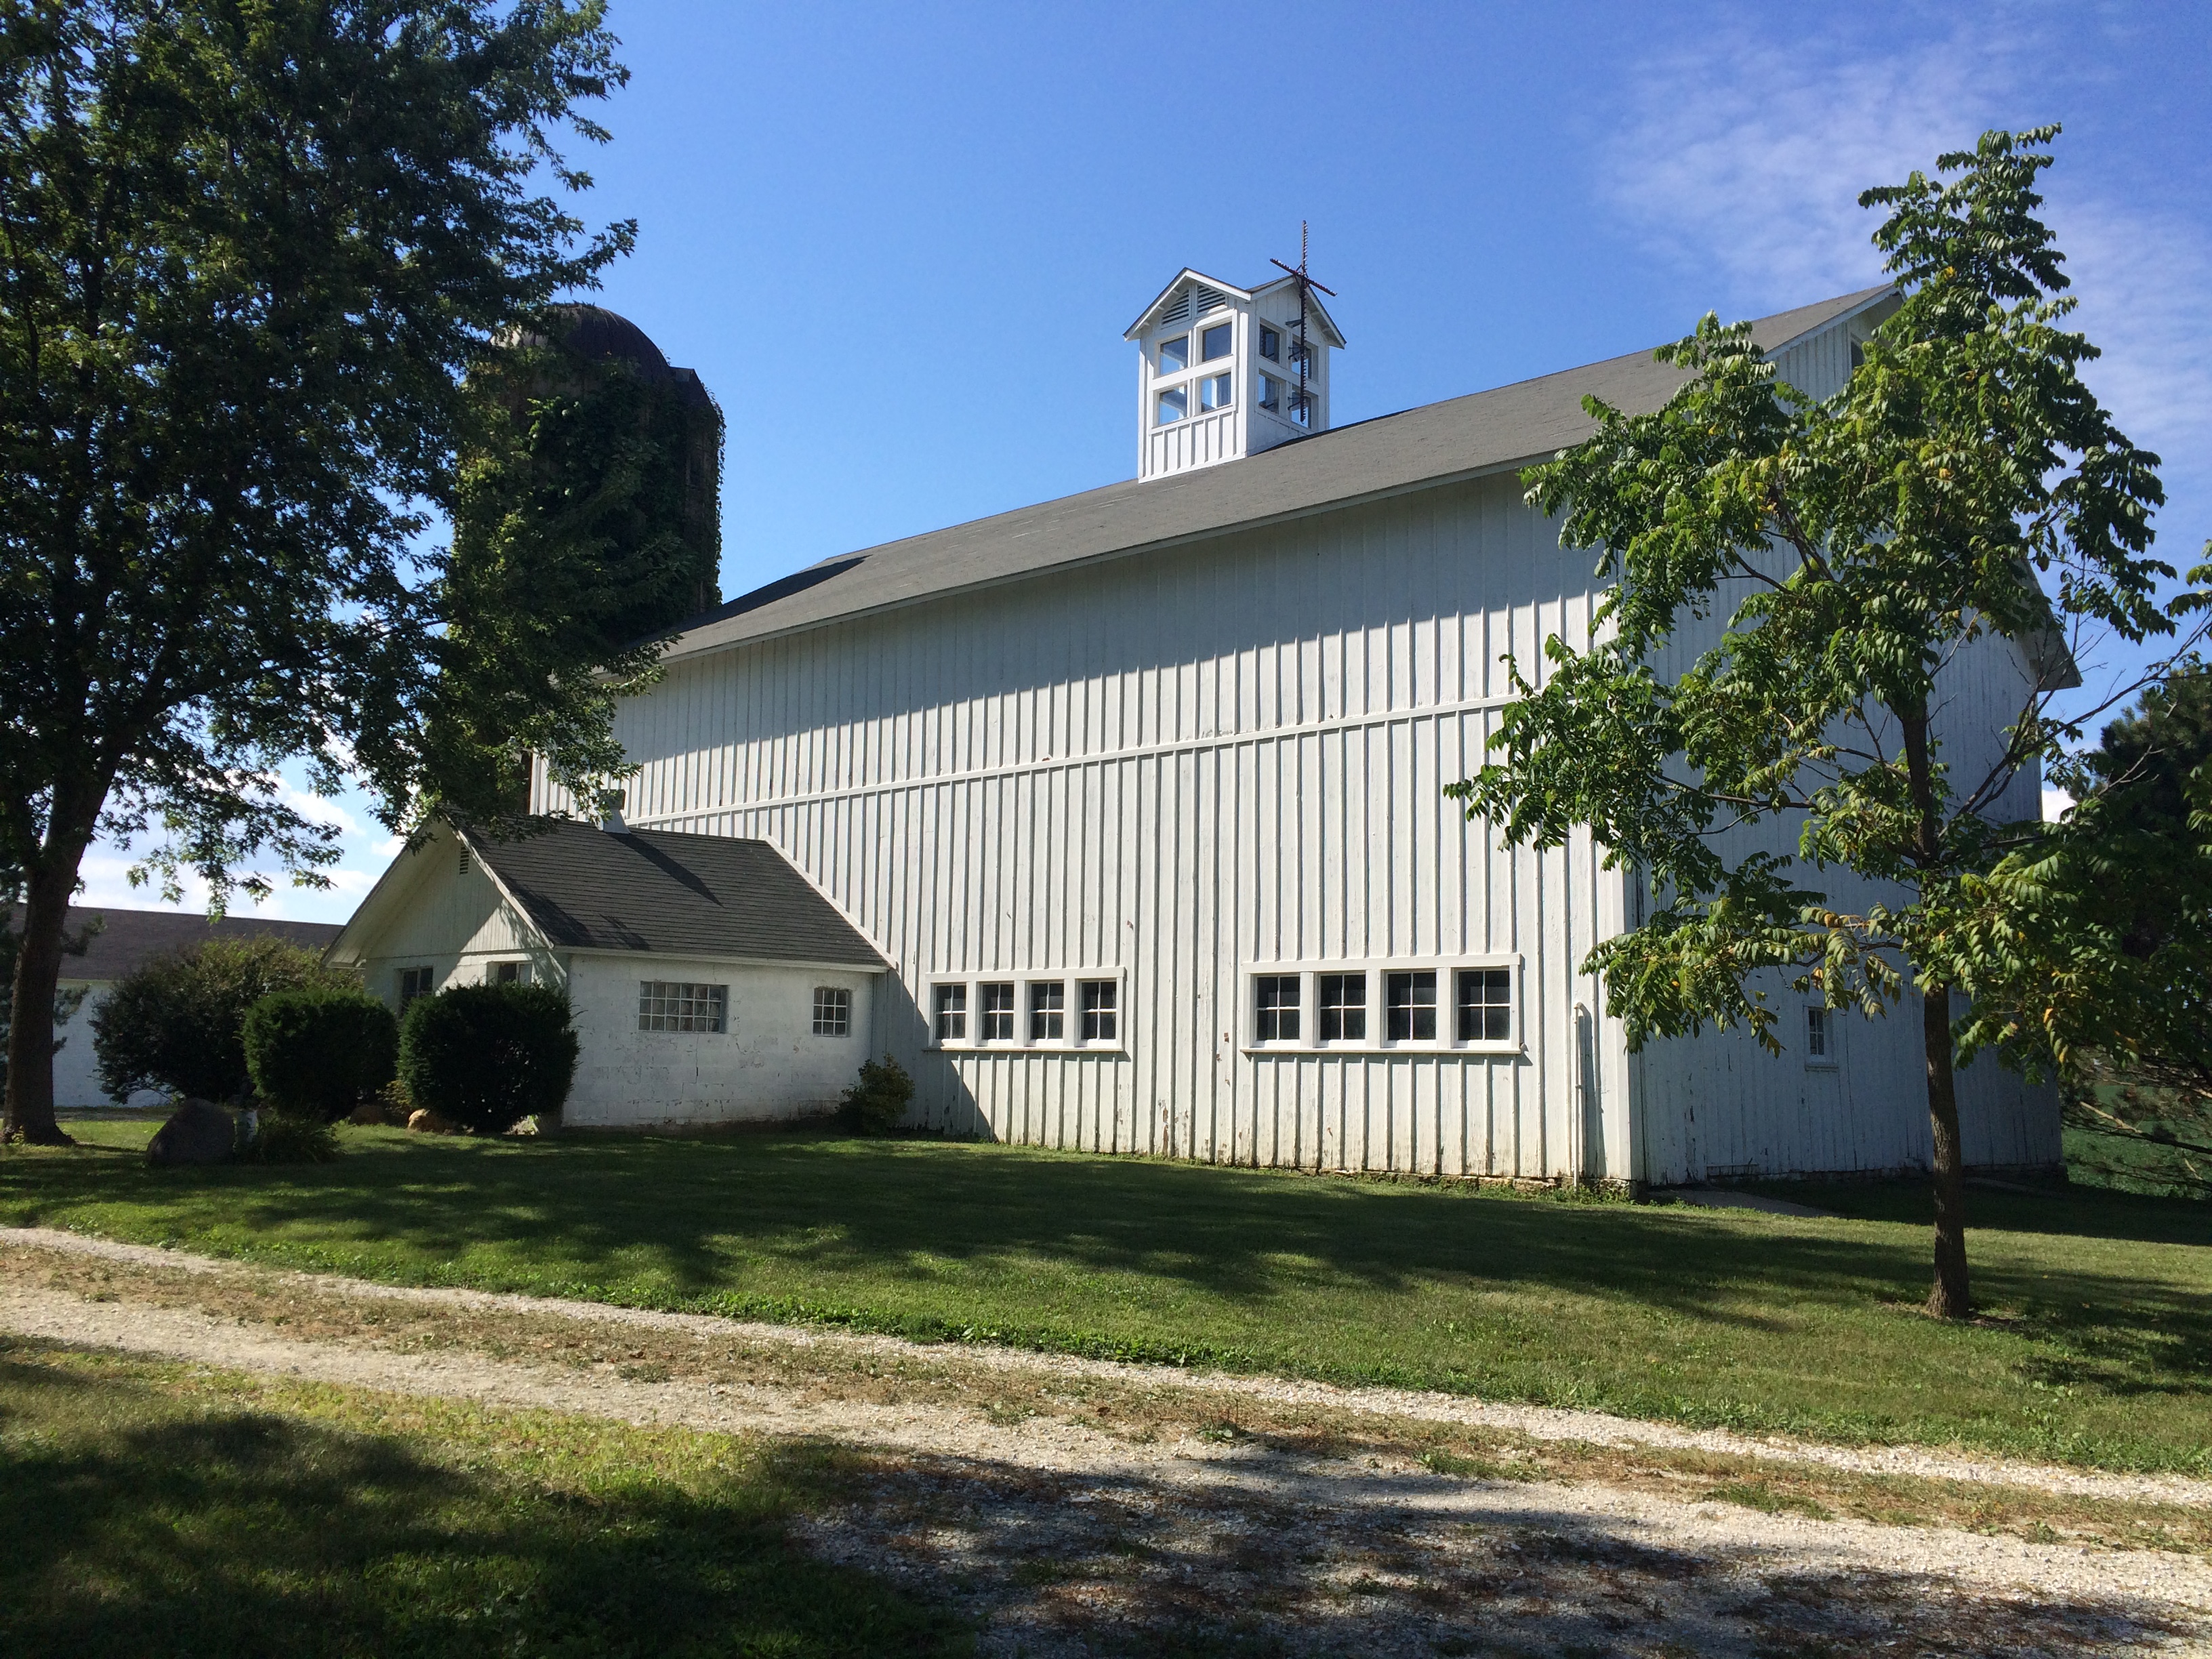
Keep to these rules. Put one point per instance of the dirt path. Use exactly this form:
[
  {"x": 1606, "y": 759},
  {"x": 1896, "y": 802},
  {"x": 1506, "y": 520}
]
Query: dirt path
[{"x": 1076, "y": 1507}]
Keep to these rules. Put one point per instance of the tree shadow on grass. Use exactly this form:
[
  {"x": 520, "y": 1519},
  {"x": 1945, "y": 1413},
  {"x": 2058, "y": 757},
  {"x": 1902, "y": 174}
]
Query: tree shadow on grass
[
  {"x": 238, "y": 1533},
  {"x": 946, "y": 1237}
]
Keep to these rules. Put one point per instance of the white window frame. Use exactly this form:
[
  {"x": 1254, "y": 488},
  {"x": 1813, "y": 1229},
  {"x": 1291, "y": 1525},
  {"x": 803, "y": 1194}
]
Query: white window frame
[
  {"x": 1377, "y": 1041},
  {"x": 841, "y": 999},
  {"x": 1831, "y": 1035},
  {"x": 1071, "y": 1040},
  {"x": 523, "y": 973}
]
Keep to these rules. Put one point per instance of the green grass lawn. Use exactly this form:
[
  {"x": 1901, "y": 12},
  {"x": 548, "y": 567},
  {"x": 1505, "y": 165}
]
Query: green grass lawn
[
  {"x": 168, "y": 1509},
  {"x": 2097, "y": 1347}
]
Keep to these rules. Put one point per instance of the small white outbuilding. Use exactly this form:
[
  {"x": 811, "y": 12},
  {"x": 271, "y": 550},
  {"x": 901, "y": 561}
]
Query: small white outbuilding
[
  {"x": 709, "y": 982},
  {"x": 1138, "y": 793}
]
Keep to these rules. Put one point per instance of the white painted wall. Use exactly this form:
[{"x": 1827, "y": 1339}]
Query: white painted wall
[
  {"x": 767, "y": 1065},
  {"x": 76, "y": 1068}
]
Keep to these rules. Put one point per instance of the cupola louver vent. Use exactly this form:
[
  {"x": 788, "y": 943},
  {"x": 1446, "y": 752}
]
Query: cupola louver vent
[{"x": 1177, "y": 309}]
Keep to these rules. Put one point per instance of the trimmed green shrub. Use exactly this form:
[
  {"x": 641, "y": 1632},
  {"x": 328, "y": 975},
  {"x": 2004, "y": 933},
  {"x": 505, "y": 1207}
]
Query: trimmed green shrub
[
  {"x": 875, "y": 1104},
  {"x": 287, "y": 1137},
  {"x": 316, "y": 1053},
  {"x": 177, "y": 1023},
  {"x": 485, "y": 1056}
]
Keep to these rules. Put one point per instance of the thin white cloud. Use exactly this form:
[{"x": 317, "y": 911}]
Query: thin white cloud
[
  {"x": 2056, "y": 803},
  {"x": 320, "y": 809}
]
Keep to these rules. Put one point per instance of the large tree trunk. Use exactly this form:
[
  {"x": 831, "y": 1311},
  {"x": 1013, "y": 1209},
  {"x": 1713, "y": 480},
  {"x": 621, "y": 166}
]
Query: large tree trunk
[
  {"x": 1949, "y": 1299},
  {"x": 31, "y": 1015}
]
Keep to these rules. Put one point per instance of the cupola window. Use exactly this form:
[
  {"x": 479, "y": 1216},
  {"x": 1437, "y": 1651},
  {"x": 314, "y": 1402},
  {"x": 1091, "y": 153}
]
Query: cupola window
[
  {"x": 1216, "y": 391},
  {"x": 1271, "y": 345},
  {"x": 1174, "y": 404},
  {"x": 1175, "y": 354},
  {"x": 1214, "y": 343},
  {"x": 1271, "y": 394}
]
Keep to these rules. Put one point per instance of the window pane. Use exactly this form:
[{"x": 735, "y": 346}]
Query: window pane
[
  {"x": 1048, "y": 1011},
  {"x": 1412, "y": 1007},
  {"x": 674, "y": 1006},
  {"x": 1343, "y": 999},
  {"x": 997, "y": 1013},
  {"x": 1213, "y": 342},
  {"x": 1101, "y": 1010},
  {"x": 1271, "y": 392},
  {"x": 951, "y": 1013},
  {"x": 1175, "y": 354},
  {"x": 1816, "y": 1032},
  {"x": 1485, "y": 1004},
  {"x": 1215, "y": 391},
  {"x": 1271, "y": 345},
  {"x": 1276, "y": 1005},
  {"x": 833, "y": 1011},
  {"x": 1175, "y": 403},
  {"x": 1302, "y": 409}
]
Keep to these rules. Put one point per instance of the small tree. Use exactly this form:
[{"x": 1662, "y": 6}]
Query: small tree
[
  {"x": 486, "y": 1056},
  {"x": 315, "y": 1053},
  {"x": 177, "y": 1023},
  {"x": 1846, "y": 552}
]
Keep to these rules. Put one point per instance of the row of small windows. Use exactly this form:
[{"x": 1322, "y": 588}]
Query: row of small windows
[
  {"x": 1216, "y": 391},
  {"x": 993, "y": 1011},
  {"x": 1345, "y": 1006},
  {"x": 666, "y": 1005},
  {"x": 1216, "y": 343}
]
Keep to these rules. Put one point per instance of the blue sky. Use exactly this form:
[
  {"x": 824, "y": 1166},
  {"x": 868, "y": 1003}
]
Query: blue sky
[{"x": 900, "y": 242}]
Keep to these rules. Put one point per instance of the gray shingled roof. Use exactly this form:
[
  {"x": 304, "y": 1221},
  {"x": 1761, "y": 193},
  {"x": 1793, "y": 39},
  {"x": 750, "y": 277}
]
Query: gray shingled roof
[
  {"x": 1460, "y": 437},
  {"x": 670, "y": 893},
  {"x": 129, "y": 938}
]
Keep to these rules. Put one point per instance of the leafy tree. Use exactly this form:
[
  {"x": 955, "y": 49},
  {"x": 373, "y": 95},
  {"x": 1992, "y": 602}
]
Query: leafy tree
[
  {"x": 2096, "y": 959},
  {"x": 1826, "y": 563},
  {"x": 248, "y": 250},
  {"x": 177, "y": 1023}
]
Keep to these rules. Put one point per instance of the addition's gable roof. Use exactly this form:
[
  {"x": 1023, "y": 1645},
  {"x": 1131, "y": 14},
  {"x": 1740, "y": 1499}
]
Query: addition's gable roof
[
  {"x": 128, "y": 940},
  {"x": 1488, "y": 432},
  {"x": 670, "y": 894}
]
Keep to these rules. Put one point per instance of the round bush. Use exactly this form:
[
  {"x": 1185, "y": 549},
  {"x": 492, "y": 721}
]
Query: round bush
[
  {"x": 875, "y": 1104},
  {"x": 177, "y": 1023},
  {"x": 315, "y": 1054},
  {"x": 484, "y": 1056}
]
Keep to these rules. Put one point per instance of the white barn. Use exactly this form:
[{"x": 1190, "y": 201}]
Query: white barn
[{"x": 1138, "y": 795}]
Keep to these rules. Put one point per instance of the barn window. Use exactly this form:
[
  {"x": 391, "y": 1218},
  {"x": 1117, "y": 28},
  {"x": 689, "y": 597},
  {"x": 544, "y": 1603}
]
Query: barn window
[
  {"x": 1412, "y": 1007},
  {"x": 1275, "y": 1007},
  {"x": 415, "y": 982},
  {"x": 1216, "y": 391},
  {"x": 1048, "y": 1011},
  {"x": 1820, "y": 1036},
  {"x": 998, "y": 1011},
  {"x": 1271, "y": 394},
  {"x": 1175, "y": 403},
  {"x": 508, "y": 973},
  {"x": 1343, "y": 1007},
  {"x": 667, "y": 1004},
  {"x": 1485, "y": 1004},
  {"x": 951, "y": 1013},
  {"x": 1213, "y": 342},
  {"x": 833, "y": 1011},
  {"x": 1101, "y": 1011},
  {"x": 1175, "y": 354},
  {"x": 1271, "y": 345}
]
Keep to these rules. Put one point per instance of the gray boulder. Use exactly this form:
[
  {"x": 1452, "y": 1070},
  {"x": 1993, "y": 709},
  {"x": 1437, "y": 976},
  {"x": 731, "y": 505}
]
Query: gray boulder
[{"x": 198, "y": 1132}]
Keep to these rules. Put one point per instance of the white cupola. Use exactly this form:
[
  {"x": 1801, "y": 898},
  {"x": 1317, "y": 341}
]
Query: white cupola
[{"x": 1225, "y": 372}]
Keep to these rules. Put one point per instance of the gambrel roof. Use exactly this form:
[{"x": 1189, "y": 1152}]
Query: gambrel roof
[{"x": 1461, "y": 437}]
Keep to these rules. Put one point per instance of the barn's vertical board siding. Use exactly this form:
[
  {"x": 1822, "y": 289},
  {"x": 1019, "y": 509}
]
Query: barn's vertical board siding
[
  {"x": 1187, "y": 763},
  {"x": 1179, "y": 765}
]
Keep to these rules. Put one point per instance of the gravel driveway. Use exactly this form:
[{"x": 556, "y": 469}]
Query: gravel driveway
[{"x": 1075, "y": 1507}]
